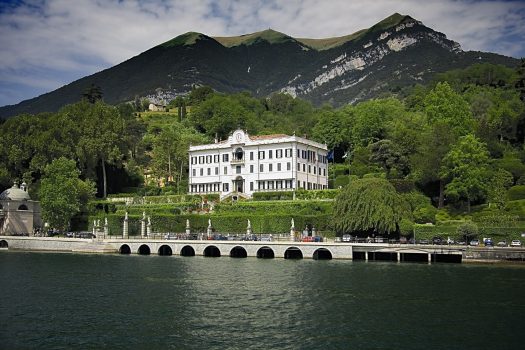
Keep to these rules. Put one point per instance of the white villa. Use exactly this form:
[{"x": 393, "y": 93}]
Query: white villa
[{"x": 246, "y": 164}]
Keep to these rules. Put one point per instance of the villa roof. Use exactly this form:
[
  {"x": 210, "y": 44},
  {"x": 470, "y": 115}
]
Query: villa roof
[{"x": 267, "y": 137}]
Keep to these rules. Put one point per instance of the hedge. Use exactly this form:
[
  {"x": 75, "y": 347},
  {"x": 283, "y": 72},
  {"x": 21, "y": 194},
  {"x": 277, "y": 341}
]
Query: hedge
[
  {"x": 269, "y": 223},
  {"x": 299, "y": 194},
  {"x": 516, "y": 192},
  {"x": 496, "y": 233}
]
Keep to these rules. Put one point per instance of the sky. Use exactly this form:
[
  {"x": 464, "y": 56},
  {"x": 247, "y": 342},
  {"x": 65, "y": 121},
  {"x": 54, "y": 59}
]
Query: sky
[{"x": 46, "y": 44}]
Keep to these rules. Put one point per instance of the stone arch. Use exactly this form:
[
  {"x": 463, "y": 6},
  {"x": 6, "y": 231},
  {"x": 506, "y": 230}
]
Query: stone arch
[
  {"x": 124, "y": 249},
  {"x": 23, "y": 207},
  {"x": 212, "y": 251},
  {"x": 4, "y": 244},
  {"x": 238, "y": 252},
  {"x": 165, "y": 250},
  {"x": 187, "y": 250},
  {"x": 265, "y": 253},
  {"x": 293, "y": 253},
  {"x": 144, "y": 250},
  {"x": 322, "y": 254}
]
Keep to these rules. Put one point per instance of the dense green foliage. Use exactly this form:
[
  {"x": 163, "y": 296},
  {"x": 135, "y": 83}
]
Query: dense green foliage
[
  {"x": 456, "y": 145},
  {"x": 62, "y": 193},
  {"x": 369, "y": 205}
]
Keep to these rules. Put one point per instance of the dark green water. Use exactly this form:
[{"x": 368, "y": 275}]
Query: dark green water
[{"x": 67, "y": 301}]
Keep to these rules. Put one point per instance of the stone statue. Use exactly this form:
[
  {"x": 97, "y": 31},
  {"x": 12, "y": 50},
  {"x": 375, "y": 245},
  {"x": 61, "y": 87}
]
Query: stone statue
[
  {"x": 209, "y": 223},
  {"x": 249, "y": 224},
  {"x": 293, "y": 223},
  {"x": 187, "y": 223}
]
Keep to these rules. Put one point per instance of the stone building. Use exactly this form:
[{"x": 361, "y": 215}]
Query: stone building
[
  {"x": 19, "y": 215},
  {"x": 244, "y": 164}
]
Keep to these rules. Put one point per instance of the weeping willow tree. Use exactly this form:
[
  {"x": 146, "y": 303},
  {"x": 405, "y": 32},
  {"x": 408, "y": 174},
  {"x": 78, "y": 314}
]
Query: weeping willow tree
[{"x": 369, "y": 205}]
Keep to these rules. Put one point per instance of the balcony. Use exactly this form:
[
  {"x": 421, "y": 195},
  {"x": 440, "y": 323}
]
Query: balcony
[{"x": 235, "y": 161}]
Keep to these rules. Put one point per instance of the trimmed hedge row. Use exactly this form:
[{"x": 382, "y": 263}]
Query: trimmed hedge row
[
  {"x": 496, "y": 233},
  {"x": 282, "y": 207},
  {"x": 270, "y": 223},
  {"x": 299, "y": 194}
]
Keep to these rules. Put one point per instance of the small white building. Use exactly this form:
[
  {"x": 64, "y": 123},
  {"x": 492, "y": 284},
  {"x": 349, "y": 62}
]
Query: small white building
[
  {"x": 19, "y": 215},
  {"x": 245, "y": 164}
]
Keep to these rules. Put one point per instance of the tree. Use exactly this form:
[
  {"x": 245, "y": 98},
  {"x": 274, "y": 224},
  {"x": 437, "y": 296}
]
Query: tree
[
  {"x": 444, "y": 104},
  {"x": 101, "y": 137},
  {"x": 499, "y": 183},
  {"x": 389, "y": 156},
  {"x": 62, "y": 194},
  {"x": 369, "y": 205},
  {"x": 93, "y": 93},
  {"x": 466, "y": 165}
]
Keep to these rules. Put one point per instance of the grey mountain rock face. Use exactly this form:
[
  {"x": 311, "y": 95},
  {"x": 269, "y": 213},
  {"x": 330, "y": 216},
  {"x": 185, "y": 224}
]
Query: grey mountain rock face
[{"x": 397, "y": 52}]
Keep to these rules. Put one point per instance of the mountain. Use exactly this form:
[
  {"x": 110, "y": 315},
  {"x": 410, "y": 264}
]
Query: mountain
[{"x": 394, "y": 53}]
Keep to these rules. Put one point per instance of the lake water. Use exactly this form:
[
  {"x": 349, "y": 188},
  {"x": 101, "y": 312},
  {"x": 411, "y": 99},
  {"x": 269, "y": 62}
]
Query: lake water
[{"x": 66, "y": 301}]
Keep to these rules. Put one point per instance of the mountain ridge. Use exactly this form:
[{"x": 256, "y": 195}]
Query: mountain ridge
[{"x": 396, "y": 52}]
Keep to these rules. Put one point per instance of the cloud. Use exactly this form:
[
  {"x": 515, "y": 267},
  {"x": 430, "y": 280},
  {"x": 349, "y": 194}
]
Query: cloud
[{"x": 61, "y": 40}]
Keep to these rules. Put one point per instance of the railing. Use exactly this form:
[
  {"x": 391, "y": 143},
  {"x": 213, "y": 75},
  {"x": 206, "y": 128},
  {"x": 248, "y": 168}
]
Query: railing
[{"x": 237, "y": 161}]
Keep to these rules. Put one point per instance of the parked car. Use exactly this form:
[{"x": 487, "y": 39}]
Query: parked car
[
  {"x": 423, "y": 241},
  {"x": 474, "y": 242},
  {"x": 515, "y": 243},
  {"x": 502, "y": 244},
  {"x": 450, "y": 241},
  {"x": 347, "y": 238},
  {"x": 437, "y": 240},
  {"x": 488, "y": 242}
]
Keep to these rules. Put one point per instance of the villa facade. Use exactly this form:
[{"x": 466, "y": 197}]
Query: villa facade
[{"x": 244, "y": 164}]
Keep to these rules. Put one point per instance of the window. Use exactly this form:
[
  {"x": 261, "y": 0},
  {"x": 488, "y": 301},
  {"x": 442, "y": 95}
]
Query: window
[
  {"x": 288, "y": 166},
  {"x": 304, "y": 154},
  {"x": 315, "y": 170},
  {"x": 298, "y": 184},
  {"x": 225, "y": 187},
  {"x": 278, "y": 166},
  {"x": 216, "y": 158},
  {"x": 251, "y": 186},
  {"x": 319, "y": 171},
  {"x": 201, "y": 159},
  {"x": 261, "y": 168},
  {"x": 251, "y": 168},
  {"x": 225, "y": 157},
  {"x": 304, "y": 168},
  {"x": 238, "y": 169},
  {"x": 270, "y": 167},
  {"x": 225, "y": 170},
  {"x": 202, "y": 171},
  {"x": 288, "y": 152},
  {"x": 309, "y": 169},
  {"x": 324, "y": 172},
  {"x": 270, "y": 154},
  {"x": 279, "y": 153},
  {"x": 216, "y": 170},
  {"x": 298, "y": 166},
  {"x": 251, "y": 155},
  {"x": 194, "y": 172},
  {"x": 298, "y": 153},
  {"x": 208, "y": 159},
  {"x": 209, "y": 171},
  {"x": 261, "y": 154},
  {"x": 270, "y": 185}
]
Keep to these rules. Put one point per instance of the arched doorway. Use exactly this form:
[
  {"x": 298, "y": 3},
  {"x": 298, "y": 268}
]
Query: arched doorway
[
  {"x": 165, "y": 250},
  {"x": 238, "y": 252},
  {"x": 322, "y": 254},
  {"x": 3, "y": 244},
  {"x": 293, "y": 253},
  {"x": 125, "y": 249},
  {"x": 212, "y": 251},
  {"x": 265, "y": 253},
  {"x": 187, "y": 250},
  {"x": 144, "y": 250},
  {"x": 23, "y": 207},
  {"x": 238, "y": 184}
]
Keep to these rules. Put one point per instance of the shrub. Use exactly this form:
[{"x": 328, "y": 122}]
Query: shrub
[
  {"x": 467, "y": 229},
  {"x": 426, "y": 214},
  {"x": 406, "y": 227},
  {"x": 402, "y": 185},
  {"x": 516, "y": 192}
]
